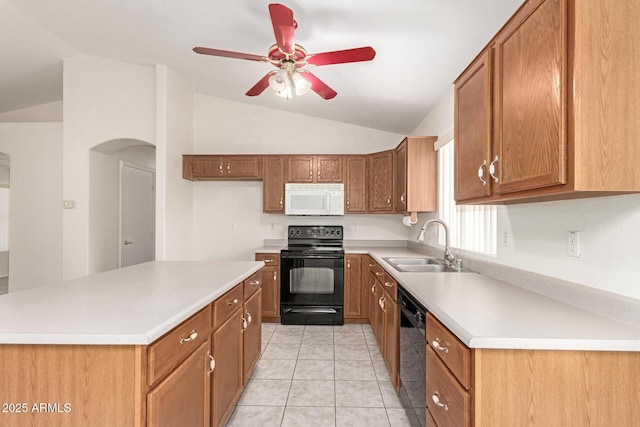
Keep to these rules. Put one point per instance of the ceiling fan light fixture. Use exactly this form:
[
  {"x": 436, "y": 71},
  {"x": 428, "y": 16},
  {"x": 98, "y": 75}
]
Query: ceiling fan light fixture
[
  {"x": 279, "y": 80},
  {"x": 301, "y": 84}
]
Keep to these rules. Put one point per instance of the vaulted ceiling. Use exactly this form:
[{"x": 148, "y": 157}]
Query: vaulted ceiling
[{"x": 421, "y": 47}]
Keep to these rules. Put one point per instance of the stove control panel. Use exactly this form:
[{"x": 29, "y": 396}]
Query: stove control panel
[{"x": 315, "y": 232}]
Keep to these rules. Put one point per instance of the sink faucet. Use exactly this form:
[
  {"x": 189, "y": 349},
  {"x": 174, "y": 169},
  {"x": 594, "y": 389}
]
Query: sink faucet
[{"x": 449, "y": 258}]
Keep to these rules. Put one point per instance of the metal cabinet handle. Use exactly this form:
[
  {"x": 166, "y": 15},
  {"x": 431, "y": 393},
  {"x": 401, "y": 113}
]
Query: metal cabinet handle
[
  {"x": 436, "y": 399},
  {"x": 388, "y": 284},
  {"x": 128, "y": 242},
  {"x": 248, "y": 316},
  {"x": 221, "y": 171},
  {"x": 192, "y": 336},
  {"x": 281, "y": 202},
  {"x": 492, "y": 169},
  {"x": 318, "y": 173},
  {"x": 245, "y": 324},
  {"x": 254, "y": 282},
  {"x": 378, "y": 273},
  {"x": 481, "y": 173},
  {"x": 348, "y": 202},
  {"x": 381, "y": 302},
  {"x": 402, "y": 199},
  {"x": 310, "y": 173},
  {"x": 371, "y": 265},
  {"x": 348, "y": 263},
  {"x": 229, "y": 167},
  {"x": 275, "y": 276},
  {"x": 436, "y": 344},
  {"x": 212, "y": 364},
  {"x": 233, "y": 301},
  {"x": 267, "y": 261},
  {"x": 389, "y": 200},
  {"x": 373, "y": 289}
]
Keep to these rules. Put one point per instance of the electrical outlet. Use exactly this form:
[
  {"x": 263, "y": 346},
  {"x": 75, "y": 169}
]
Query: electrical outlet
[
  {"x": 506, "y": 237},
  {"x": 354, "y": 227},
  {"x": 234, "y": 227},
  {"x": 573, "y": 244}
]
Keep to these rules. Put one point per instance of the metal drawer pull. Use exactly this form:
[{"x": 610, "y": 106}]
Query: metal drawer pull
[
  {"x": 388, "y": 284},
  {"x": 373, "y": 289},
  {"x": 492, "y": 169},
  {"x": 378, "y": 273},
  {"x": 254, "y": 282},
  {"x": 266, "y": 261},
  {"x": 436, "y": 344},
  {"x": 245, "y": 324},
  {"x": 436, "y": 399},
  {"x": 371, "y": 265},
  {"x": 233, "y": 301},
  {"x": 248, "y": 316},
  {"x": 212, "y": 364},
  {"x": 481, "y": 173},
  {"x": 192, "y": 336}
]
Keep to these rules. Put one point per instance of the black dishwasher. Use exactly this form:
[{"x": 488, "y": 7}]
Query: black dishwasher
[{"x": 413, "y": 353}]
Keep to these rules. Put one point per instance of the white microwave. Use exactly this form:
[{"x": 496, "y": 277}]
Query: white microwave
[{"x": 314, "y": 199}]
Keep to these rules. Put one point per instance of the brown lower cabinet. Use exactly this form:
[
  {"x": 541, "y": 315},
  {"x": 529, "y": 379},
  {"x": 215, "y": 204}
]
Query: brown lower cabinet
[
  {"x": 188, "y": 388},
  {"x": 356, "y": 296},
  {"x": 252, "y": 334},
  {"x": 270, "y": 286},
  {"x": 384, "y": 318}
]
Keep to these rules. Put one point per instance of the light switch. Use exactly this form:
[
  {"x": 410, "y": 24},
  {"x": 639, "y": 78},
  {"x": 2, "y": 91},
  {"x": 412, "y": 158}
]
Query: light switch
[{"x": 68, "y": 204}]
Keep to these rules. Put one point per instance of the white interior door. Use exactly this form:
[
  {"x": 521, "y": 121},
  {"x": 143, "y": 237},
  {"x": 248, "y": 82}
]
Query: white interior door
[{"x": 137, "y": 214}]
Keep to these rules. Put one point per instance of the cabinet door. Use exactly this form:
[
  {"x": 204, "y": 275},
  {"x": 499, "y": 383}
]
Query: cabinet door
[
  {"x": 380, "y": 179},
  {"x": 379, "y": 329},
  {"x": 530, "y": 93},
  {"x": 182, "y": 399},
  {"x": 473, "y": 129},
  {"x": 252, "y": 334},
  {"x": 227, "y": 376},
  {"x": 353, "y": 287},
  {"x": 243, "y": 167},
  {"x": 202, "y": 167},
  {"x": 329, "y": 168},
  {"x": 273, "y": 190},
  {"x": 355, "y": 184},
  {"x": 300, "y": 169},
  {"x": 401, "y": 177},
  {"x": 270, "y": 293},
  {"x": 373, "y": 303},
  {"x": 392, "y": 339}
]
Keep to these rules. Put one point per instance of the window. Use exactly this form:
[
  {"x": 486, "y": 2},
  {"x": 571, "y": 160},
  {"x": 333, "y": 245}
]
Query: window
[{"x": 471, "y": 228}]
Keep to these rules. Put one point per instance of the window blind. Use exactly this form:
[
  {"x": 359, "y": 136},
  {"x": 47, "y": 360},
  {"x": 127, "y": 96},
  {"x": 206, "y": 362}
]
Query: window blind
[{"x": 471, "y": 228}]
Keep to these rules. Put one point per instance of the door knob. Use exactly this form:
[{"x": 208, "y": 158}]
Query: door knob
[{"x": 128, "y": 242}]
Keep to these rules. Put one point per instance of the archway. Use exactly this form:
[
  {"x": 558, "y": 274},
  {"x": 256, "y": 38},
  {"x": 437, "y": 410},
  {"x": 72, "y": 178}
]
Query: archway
[{"x": 105, "y": 222}]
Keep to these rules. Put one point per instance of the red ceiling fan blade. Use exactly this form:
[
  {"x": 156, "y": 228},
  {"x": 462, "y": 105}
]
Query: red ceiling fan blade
[
  {"x": 283, "y": 26},
  {"x": 229, "y": 54},
  {"x": 262, "y": 84},
  {"x": 318, "y": 86},
  {"x": 342, "y": 56}
]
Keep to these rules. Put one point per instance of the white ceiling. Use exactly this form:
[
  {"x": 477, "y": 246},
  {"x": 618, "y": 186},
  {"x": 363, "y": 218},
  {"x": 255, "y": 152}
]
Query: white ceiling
[{"x": 421, "y": 45}]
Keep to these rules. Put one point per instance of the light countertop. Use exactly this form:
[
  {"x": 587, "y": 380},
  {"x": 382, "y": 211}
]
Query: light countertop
[
  {"x": 133, "y": 305},
  {"x": 488, "y": 313}
]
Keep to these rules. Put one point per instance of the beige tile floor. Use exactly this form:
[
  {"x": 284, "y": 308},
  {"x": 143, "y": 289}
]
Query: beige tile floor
[{"x": 319, "y": 376}]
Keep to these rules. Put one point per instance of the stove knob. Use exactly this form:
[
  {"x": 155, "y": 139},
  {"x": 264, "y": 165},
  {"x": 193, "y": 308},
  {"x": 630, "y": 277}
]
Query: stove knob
[
  {"x": 298, "y": 232},
  {"x": 338, "y": 232}
]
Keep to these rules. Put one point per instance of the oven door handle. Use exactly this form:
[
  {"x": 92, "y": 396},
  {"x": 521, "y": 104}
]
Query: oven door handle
[
  {"x": 311, "y": 310},
  {"x": 311, "y": 256}
]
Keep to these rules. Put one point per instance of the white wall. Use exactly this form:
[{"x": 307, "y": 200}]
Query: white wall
[
  {"x": 51, "y": 112},
  {"x": 35, "y": 218},
  {"x": 228, "y": 127},
  {"x": 609, "y": 226},
  {"x": 174, "y": 195},
  {"x": 103, "y": 100}
]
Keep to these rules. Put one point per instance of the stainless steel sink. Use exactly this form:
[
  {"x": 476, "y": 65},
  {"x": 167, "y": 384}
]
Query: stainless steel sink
[{"x": 418, "y": 265}]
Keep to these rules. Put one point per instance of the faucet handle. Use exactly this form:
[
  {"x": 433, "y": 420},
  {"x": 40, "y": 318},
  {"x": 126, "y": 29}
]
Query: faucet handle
[{"x": 458, "y": 264}]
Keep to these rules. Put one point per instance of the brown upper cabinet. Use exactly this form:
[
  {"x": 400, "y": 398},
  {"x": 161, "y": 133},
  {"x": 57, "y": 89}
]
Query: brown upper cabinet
[
  {"x": 380, "y": 182},
  {"x": 274, "y": 180},
  {"x": 355, "y": 184},
  {"x": 546, "y": 111},
  {"x": 213, "y": 167},
  {"x": 315, "y": 168},
  {"x": 416, "y": 175}
]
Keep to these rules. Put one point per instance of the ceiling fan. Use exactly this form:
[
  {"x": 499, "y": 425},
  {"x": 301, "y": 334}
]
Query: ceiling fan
[{"x": 291, "y": 78}]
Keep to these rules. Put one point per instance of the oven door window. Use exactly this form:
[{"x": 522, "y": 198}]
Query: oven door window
[{"x": 312, "y": 280}]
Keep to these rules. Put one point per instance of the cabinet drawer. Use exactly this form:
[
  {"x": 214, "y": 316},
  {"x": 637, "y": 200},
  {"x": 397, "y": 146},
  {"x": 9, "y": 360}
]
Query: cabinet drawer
[
  {"x": 227, "y": 304},
  {"x": 165, "y": 353},
  {"x": 252, "y": 284},
  {"x": 270, "y": 260},
  {"x": 378, "y": 272},
  {"x": 390, "y": 285},
  {"x": 450, "y": 349},
  {"x": 448, "y": 402}
]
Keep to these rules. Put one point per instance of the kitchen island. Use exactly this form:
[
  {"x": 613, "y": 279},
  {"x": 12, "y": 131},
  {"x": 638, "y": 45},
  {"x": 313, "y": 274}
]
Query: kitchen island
[{"x": 112, "y": 349}]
